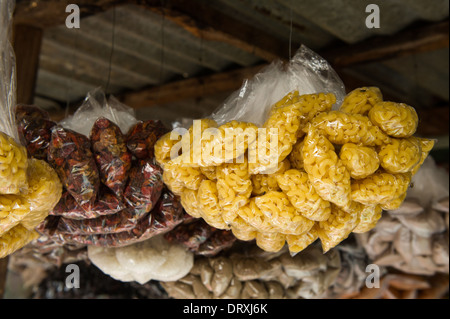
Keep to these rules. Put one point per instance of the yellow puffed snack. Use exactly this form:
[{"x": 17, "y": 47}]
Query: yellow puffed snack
[
  {"x": 311, "y": 104},
  {"x": 426, "y": 146},
  {"x": 368, "y": 218},
  {"x": 16, "y": 238},
  {"x": 280, "y": 213},
  {"x": 297, "y": 243},
  {"x": 271, "y": 242},
  {"x": 380, "y": 188},
  {"x": 395, "y": 119},
  {"x": 395, "y": 203},
  {"x": 13, "y": 209},
  {"x": 208, "y": 199},
  {"x": 361, "y": 100},
  {"x": 44, "y": 192},
  {"x": 231, "y": 200},
  {"x": 243, "y": 234},
  {"x": 253, "y": 216},
  {"x": 190, "y": 203},
  {"x": 13, "y": 166},
  {"x": 174, "y": 185},
  {"x": 239, "y": 167},
  {"x": 327, "y": 173},
  {"x": 337, "y": 228},
  {"x": 296, "y": 156},
  {"x": 236, "y": 137},
  {"x": 340, "y": 128},
  {"x": 203, "y": 135},
  {"x": 209, "y": 172},
  {"x": 360, "y": 161},
  {"x": 302, "y": 195},
  {"x": 400, "y": 155},
  {"x": 263, "y": 183},
  {"x": 163, "y": 148},
  {"x": 239, "y": 227},
  {"x": 183, "y": 174}
]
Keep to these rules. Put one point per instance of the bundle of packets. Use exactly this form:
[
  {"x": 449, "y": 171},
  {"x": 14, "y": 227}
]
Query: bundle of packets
[
  {"x": 29, "y": 189},
  {"x": 250, "y": 273},
  {"x": 309, "y": 172},
  {"x": 113, "y": 193}
]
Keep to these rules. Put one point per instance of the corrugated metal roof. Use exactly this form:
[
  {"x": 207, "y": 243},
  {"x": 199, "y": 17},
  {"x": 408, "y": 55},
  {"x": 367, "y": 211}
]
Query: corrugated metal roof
[{"x": 150, "y": 50}]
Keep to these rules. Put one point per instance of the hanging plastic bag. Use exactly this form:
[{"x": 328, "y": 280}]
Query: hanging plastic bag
[
  {"x": 13, "y": 156},
  {"x": 35, "y": 129},
  {"x": 306, "y": 73},
  {"x": 96, "y": 105}
]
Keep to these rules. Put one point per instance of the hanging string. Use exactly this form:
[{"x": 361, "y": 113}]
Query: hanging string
[
  {"x": 161, "y": 69},
  {"x": 112, "y": 49},
  {"x": 70, "y": 78},
  {"x": 290, "y": 33}
]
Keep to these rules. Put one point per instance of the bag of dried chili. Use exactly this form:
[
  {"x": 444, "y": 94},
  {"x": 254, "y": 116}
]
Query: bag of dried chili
[
  {"x": 191, "y": 235},
  {"x": 218, "y": 241},
  {"x": 34, "y": 128},
  {"x": 106, "y": 203},
  {"x": 108, "y": 224},
  {"x": 70, "y": 155},
  {"x": 144, "y": 186},
  {"x": 111, "y": 155},
  {"x": 142, "y": 137},
  {"x": 165, "y": 216}
]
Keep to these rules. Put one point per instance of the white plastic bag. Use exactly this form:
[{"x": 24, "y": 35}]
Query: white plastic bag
[
  {"x": 96, "y": 105},
  {"x": 306, "y": 73},
  {"x": 7, "y": 72}
]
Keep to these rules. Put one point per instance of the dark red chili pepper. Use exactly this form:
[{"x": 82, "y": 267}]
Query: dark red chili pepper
[
  {"x": 70, "y": 155},
  {"x": 142, "y": 137},
  {"x": 218, "y": 241},
  {"x": 111, "y": 155},
  {"x": 105, "y": 204},
  {"x": 144, "y": 186},
  {"x": 191, "y": 235},
  {"x": 34, "y": 127},
  {"x": 165, "y": 216},
  {"x": 108, "y": 224}
]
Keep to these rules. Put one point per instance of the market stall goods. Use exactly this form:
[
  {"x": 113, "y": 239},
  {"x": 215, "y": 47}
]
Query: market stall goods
[
  {"x": 154, "y": 258},
  {"x": 332, "y": 173},
  {"x": 251, "y": 274},
  {"x": 201, "y": 238},
  {"x": 413, "y": 238}
]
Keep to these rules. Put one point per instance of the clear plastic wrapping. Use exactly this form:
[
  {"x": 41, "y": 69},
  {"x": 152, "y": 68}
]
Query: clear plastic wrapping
[
  {"x": 200, "y": 238},
  {"x": 35, "y": 129},
  {"x": 16, "y": 238},
  {"x": 401, "y": 155},
  {"x": 13, "y": 166},
  {"x": 13, "y": 209},
  {"x": 360, "y": 161},
  {"x": 142, "y": 137},
  {"x": 319, "y": 164},
  {"x": 154, "y": 258},
  {"x": 144, "y": 187},
  {"x": 111, "y": 155},
  {"x": 105, "y": 204},
  {"x": 306, "y": 73},
  {"x": 361, "y": 100},
  {"x": 395, "y": 119},
  {"x": 114, "y": 223},
  {"x": 166, "y": 214},
  {"x": 44, "y": 192},
  {"x": 7, "y": 71},
  {"x": 96, "y": 105},
  {"x": 302, "y": 195},
  {"x": 70, "y": 155}
]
